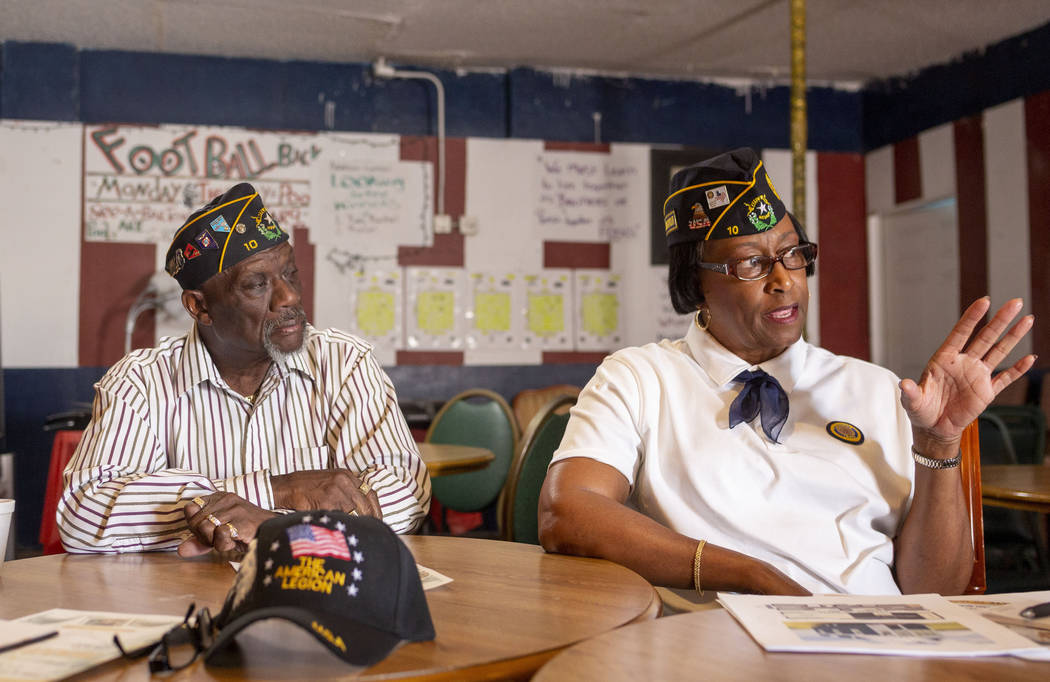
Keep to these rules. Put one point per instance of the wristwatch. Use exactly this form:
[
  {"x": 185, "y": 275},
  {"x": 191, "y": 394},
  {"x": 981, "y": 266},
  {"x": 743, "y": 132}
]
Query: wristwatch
[{"x": 931, "y": 463}]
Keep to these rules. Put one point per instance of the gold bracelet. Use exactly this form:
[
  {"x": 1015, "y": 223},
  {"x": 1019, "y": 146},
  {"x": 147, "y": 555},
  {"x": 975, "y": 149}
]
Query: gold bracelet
[{"x": 696, "y": 567}]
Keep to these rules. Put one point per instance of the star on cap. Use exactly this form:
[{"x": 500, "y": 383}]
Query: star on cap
[
  {"x": 340, "y": 526},
  {"x": 267, "y": 580},
  {"x": 275, "y": 546},
  {"x": 352, "y": 539},
  {"x": 351, "y": 590},
  {"x": 308, "y": 518},
  {"x": 325, "y": 519},
  {"x": 359, "y": 557},
  {"x": 268, "y": 564},
  {"x": 356, "y": 573}
]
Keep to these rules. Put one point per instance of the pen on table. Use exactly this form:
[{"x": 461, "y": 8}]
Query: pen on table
[
  {"x": 30, "y": 640},
  {"x": 1037, "y": 611}
]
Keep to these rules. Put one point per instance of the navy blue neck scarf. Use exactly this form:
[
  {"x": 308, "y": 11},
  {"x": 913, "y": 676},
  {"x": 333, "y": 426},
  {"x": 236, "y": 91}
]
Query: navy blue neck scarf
[{"x": 761, "y": 393}]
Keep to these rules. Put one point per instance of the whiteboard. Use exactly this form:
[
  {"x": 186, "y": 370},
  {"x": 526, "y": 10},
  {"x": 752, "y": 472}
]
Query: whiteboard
[{"x": 40, "y": 175}]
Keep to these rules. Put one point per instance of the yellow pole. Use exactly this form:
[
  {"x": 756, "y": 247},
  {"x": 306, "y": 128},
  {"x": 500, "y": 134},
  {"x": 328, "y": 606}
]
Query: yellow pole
[{"x": 798, "y": 108}]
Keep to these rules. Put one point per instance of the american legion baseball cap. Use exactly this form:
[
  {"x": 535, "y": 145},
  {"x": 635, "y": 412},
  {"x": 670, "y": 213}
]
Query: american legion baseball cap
[
  {"x": 348, "y": 580},
  {"x": 228, "y": 229}
]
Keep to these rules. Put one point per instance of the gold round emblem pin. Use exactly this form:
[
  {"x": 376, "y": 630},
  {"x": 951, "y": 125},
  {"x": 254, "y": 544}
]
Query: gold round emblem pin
[{"x": 845, "y": 432}]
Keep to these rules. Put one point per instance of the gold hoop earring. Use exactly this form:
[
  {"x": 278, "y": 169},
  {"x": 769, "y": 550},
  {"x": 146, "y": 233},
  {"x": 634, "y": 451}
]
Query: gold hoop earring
[{"x": 702, "y": 326}]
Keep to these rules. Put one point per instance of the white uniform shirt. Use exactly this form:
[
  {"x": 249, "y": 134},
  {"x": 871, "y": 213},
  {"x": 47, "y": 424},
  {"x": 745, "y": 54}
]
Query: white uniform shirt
[{"x": 821, "y": 509}]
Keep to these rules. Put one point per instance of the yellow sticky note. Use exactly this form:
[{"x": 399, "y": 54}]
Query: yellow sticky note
[
  {"x": 492, "y": 312},
  {"x": 546, "y": 314},
  {"x": 436, "y": 311},
  {"x": 600, "y": 313},
  {"x": 375, "y": 312}
]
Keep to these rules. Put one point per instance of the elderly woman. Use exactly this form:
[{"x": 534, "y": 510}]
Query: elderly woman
[{"x": 742, "y": 458}]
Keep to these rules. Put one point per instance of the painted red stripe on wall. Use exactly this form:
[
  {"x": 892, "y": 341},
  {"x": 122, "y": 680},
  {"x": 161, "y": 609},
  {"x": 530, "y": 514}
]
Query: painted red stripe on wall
[
  {"x": 447, "y": 250},
  {"x": 598, "y": 147},
  {"x": 304, "y": 260},
  {"x": 1037, "y": 129},
  {"x": 907, "y": 176},
  {"x": 843, "y": 258},
  {"x": 572, "y": 357},
  {"x": 576, "y": 255},
  {"x": 429, "y": 357},
  {"x": 112, "y": 275}
]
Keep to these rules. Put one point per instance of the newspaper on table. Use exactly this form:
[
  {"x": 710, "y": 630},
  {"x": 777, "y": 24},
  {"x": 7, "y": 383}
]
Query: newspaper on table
[
  {"x": 84, "y": 640},
  {"x": 911, "y": 625}
]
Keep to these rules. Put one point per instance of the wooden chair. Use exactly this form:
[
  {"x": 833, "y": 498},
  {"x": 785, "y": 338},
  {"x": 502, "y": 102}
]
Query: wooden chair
[
  {"x": 970, "y": 470},
  {"x": 480, "y": 418},
  {"x": 1044, "y": 404},
  {"x": 530, "y": 401},
  {"x": 519, "y": 501}
]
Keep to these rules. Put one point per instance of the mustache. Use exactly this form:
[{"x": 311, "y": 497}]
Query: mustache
[{"x": 290, "y": 316}]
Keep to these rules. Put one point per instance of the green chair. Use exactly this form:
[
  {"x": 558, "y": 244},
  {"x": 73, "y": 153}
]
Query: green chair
[
  {"x": 521, "y": 497},
  {"x": 483, "y": 419},
  {"x": 1025, "y": 426}
]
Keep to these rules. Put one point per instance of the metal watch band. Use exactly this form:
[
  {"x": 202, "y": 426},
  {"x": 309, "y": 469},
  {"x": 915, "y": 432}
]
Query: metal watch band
[{"x": 931, "y": 463}]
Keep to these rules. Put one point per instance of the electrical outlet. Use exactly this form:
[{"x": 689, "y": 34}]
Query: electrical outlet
[
  {"x": 468, "y": 225},
  {"x": 442, "y": 224}
]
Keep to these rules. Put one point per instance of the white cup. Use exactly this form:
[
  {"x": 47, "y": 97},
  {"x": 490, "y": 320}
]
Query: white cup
[{"x": 7, "y": 509}]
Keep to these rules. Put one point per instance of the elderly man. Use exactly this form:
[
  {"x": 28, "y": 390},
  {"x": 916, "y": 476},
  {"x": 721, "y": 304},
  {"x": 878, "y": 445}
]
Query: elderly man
[{"x": 194, "y": 442}]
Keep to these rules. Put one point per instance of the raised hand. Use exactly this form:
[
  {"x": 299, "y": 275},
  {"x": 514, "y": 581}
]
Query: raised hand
[{"x": 957, "y": 384}]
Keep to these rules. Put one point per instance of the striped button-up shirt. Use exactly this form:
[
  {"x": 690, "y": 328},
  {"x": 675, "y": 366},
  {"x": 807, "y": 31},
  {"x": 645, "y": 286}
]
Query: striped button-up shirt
[{"x": 166, "y": 427}]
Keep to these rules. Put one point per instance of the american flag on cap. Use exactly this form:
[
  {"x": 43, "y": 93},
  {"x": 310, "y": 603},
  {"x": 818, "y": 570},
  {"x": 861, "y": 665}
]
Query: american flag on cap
[{"x": 310, "y": 540}]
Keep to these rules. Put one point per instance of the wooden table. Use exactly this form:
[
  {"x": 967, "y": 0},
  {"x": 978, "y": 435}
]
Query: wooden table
[
  {"x": 710, "y": 645},
  {"x": 510, "y": 608},
  {"x": 442, "y": 460},
  {"x": 1018, "y": 486}
]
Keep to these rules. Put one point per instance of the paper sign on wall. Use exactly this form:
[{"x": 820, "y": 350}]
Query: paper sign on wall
[
  {"x": 493, "y": 319},
  {"x": 141, "y": 182},
  {"x": 587, "y": 196},
  {"x": 435, "y": 301},
  {"x": 376, "y": 311},
  {"x": 548, "y": 310},
  {"x": 597, "y": 310}
]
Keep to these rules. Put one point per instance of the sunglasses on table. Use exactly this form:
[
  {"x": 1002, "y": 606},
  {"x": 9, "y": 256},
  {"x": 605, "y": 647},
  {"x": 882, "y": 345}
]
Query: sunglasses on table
[{"x": 757, "y": 267}]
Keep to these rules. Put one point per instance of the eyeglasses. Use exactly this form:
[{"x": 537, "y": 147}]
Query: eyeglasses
[
  {"x": 757, "y": 267},
  {"x": 179, "y": 647}
]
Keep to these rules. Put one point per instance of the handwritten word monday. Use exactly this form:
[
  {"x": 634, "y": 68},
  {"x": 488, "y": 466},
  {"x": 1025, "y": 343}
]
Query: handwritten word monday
[{"x": 218, "y": 159}]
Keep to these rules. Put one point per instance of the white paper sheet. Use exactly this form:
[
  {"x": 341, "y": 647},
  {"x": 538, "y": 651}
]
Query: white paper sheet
[
  {"x": 912, "y": 625},
  {"x": 85, "y": 640}
]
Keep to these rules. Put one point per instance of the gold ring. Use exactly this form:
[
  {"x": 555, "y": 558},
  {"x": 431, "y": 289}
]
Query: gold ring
[
  {"x": 217, "y": 522},
  {"x": 364, "y": 488},
  {"x": 233, "y": 531},
  {"x": 199, "y": 501},
  {"x": 353, "y": 512}
]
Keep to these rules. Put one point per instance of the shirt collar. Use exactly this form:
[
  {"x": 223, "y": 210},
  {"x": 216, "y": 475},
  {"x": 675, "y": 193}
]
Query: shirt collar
[
  {"x": 722, "y": 366},
  {"x": 196, "y": 364}
]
